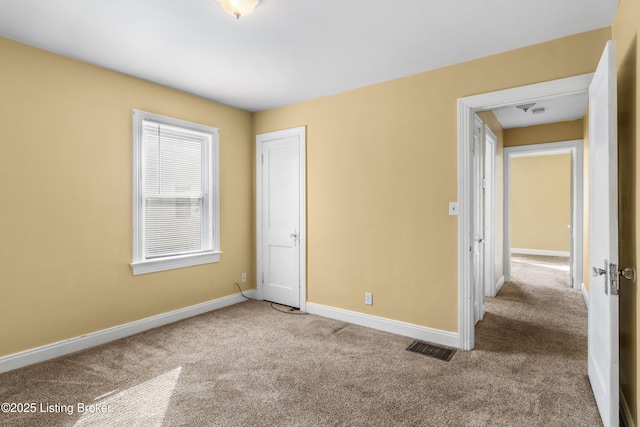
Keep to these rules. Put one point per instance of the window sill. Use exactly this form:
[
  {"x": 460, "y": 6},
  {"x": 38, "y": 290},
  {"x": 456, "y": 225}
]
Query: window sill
[{"x": 170, "y": 263}]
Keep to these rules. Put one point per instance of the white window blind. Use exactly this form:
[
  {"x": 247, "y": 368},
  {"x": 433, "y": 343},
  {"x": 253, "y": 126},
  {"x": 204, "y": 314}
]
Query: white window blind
[{"x": 175, "y": 194}]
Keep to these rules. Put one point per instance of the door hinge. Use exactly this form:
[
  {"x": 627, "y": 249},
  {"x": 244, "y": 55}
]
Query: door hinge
[
  {"x": 262, "y": 158},
  {"x": 263, "y": 278},
  {"x": 613, "y": 280}
]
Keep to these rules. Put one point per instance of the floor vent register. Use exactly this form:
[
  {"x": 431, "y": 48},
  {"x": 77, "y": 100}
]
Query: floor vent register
[{"x": 431, "y": 350}]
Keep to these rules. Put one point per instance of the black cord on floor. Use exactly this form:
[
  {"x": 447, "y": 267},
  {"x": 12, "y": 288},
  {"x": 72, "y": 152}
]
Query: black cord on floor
[
  {"x": 240, "y": 289},
  {"x": 290, "y": 311}
]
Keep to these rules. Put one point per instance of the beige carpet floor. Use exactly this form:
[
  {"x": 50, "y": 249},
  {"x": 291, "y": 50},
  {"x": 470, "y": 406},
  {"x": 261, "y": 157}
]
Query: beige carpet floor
[{"x": 250, "y": 365}]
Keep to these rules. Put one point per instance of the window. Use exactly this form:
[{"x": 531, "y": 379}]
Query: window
[{"x": 175, "y": 193}]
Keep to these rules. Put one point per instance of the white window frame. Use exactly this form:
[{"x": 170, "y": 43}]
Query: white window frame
[{"x": 140, "y": 263}]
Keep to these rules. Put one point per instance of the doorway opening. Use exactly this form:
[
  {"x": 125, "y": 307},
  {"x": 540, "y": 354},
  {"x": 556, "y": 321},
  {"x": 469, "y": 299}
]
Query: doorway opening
[
  {"x": 468, "y": 296},
  {"x": 548, "y": 201}
]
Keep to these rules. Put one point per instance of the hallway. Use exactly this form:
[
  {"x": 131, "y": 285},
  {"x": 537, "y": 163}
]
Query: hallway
[{"x": 537, "y": 328}]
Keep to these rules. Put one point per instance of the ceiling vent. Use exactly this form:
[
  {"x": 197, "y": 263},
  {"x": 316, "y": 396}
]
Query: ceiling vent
[{"x": 525, "y": 107}]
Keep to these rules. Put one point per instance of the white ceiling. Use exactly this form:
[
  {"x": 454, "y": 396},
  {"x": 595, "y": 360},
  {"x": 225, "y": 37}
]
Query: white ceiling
[
  {"x": 289, "y": 50},
  {"x": 556, "y": 110}
]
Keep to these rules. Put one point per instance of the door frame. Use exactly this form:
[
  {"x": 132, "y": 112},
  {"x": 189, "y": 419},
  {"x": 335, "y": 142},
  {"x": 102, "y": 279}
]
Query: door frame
[
  {"x": 576, "y": 149},
  {"x": 479, "y": 238},
  {"x": 467, "y": 107},
  {"x": 299, "y": 132}
]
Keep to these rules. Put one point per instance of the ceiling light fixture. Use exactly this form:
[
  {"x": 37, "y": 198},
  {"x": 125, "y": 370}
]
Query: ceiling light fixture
[
  {"x": 525, "y": 107},
  {"x": 238, "y": 8}
]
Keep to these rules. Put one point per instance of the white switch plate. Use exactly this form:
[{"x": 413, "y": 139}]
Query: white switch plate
[
  {"x": 368, "y": 298},
  {"x": 453, "y": 208}
]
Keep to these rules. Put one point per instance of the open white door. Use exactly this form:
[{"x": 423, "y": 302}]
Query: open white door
[
  {"x": 490, "y": 149},
  {"x": 280, "y": 227},
  {"x": 603, "y": 235}
]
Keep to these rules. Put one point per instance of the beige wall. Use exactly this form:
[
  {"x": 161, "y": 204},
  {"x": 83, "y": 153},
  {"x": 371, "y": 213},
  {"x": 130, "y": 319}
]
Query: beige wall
[
  {"x": 492, "y": 122},
  {"x": 541, "y": 202},
  {"x": 65, "y": 222},
  {"x": 553, "y": 132},
  {"x": 381, "y": 169},
  {"x": 625, "y": 32}
]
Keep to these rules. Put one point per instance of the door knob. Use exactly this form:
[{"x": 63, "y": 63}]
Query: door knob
[{"x": 595, "y": 271}]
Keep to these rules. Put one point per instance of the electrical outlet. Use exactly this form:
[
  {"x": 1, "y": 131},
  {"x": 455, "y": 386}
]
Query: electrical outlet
[
  {"x": 368, "y": 298},
  {"x": 244, "y": 277}
]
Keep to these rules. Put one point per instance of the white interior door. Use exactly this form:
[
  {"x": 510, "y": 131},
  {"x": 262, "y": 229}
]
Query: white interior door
[
  {"x": 490, "y": 148},
  {"x": 478, "y": 228},
  {"x": 280, "y": 212},
  {"x": 603, "y": 235}
]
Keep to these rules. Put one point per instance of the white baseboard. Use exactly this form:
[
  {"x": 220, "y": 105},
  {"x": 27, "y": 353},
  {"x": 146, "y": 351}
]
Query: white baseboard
[
  {"x": 539, "y": 252},
  {"x": 393, "y": 326},
  {"x": 496, "y": 288},
  {"x": 61, "y": 348},
  {"x": 626, "y": 412},
  {"x": 585, "y": 295}
]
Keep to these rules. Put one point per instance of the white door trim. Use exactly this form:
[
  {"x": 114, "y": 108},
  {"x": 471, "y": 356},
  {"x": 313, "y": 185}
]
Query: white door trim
[
  {"x": 576, "y": 149},
  {"x": 479, "y": 237},
  {"x": 467, "y": 107},
  {"x": 300, "y": 132}
]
